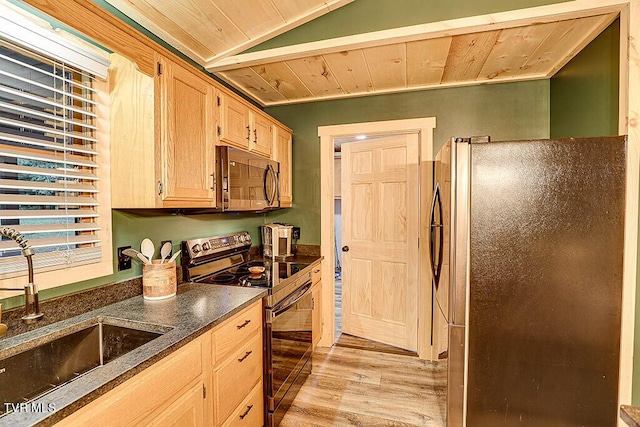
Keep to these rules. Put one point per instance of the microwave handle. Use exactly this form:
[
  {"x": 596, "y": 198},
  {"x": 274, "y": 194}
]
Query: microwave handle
[
  {"x": 270, "y": 172},
  {"x": 274, "y": 195},
  {"x": 279, "y": 194}
]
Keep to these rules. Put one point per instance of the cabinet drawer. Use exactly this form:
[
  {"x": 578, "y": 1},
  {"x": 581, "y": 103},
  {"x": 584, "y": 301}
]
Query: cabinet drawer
[
  {"x": 235, "y": 330},
  {"x": 316, "y": 274},
  {"x": 250, "y": 412},
  {"x": 236, "y": 376}
]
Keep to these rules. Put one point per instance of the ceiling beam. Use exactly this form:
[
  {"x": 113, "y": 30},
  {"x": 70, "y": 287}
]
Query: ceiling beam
[
  {"x": 329, "y": 6},
  {"x": 432, "y": 30}
]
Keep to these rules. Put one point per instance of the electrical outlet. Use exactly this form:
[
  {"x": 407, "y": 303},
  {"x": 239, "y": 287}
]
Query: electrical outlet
[
  {"x": 162, "y": 244},
  {"x": 295, "y": 233},
  {"x": 124, "y": 261}
]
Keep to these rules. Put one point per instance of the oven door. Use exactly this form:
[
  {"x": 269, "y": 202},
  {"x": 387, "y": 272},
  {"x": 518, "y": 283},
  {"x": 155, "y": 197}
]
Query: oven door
[
  {"x": 288, "y": 355},
  {"x": 248, "y": 182}
]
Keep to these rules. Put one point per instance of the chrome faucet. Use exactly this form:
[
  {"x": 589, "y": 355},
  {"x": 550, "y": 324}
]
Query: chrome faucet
[{"x": 30, "y": 289}]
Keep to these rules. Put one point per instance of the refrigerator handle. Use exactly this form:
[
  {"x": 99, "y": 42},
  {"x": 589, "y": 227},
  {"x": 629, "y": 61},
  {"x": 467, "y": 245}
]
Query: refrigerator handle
[{"x": 436, "y": 227}]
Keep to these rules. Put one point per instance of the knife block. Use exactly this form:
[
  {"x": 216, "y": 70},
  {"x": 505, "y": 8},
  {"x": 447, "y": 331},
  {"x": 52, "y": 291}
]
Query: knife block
[{"x": 159, "y": 280}]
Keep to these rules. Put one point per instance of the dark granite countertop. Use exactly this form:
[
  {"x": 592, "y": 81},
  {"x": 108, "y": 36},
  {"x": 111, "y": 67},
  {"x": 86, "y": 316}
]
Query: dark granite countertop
[
  {"x": 630, "y": 415},
  {"x": 194, "y": 310}
]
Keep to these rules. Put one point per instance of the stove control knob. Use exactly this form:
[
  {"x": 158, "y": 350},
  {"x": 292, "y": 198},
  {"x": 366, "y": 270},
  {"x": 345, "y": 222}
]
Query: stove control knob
[
  {"x": 206, "y": 246},
  {"x": 196, "y": 248}
]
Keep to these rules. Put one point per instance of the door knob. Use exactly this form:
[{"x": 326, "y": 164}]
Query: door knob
[{"x": 345, "y": 249}]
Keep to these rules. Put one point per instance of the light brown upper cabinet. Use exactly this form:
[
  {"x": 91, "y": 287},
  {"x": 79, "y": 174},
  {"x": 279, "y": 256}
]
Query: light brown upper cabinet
[
  {"x": 242, "y": 126},
  {"x": 261, "y": 134},
  {"x": 233, "y": 128},
  {"x": 187, "y": 136},
  {"x": 282, "y": 148},
  {"x": 162, "y": 137},
  {"x": 337, "y": 177}
]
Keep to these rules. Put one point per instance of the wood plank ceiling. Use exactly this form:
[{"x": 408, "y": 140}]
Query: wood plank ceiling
[
  {"x": 207, "y": 30},
  {"x": 470, "y": 51},
  {"x": 520, "y": 53}
]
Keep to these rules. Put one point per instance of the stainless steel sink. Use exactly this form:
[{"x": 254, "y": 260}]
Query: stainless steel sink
[{"x": 39, "y": 369}]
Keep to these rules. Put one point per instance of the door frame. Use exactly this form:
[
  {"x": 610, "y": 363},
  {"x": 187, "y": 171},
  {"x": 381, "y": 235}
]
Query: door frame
[{"x": 423, "y": 127}]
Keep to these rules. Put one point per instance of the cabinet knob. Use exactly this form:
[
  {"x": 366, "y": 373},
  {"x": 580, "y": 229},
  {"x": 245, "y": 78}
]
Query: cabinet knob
[{"x": 345, "y": 249}]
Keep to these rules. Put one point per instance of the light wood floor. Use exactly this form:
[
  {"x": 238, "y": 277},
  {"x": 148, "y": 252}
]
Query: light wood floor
[
  {"x": 353, "y": 387},
  {"x": 362, "y": 383}
]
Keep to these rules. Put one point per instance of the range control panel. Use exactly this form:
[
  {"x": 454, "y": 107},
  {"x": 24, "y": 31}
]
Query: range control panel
[{"x": 199, "y": 248}]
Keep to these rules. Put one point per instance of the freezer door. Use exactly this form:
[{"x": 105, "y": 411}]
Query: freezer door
[
  {"x": 545, "y": 293},
  {"x": 458, "y": 264},
  {"x": 460, "y": 195}
]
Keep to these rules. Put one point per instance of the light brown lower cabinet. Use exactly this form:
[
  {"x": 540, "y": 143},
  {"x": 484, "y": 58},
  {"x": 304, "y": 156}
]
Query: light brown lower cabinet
[
  {"x": 233, "y": 380},
  {"x": 200, "y": 384},
  {"x": 250, "y": 412}
]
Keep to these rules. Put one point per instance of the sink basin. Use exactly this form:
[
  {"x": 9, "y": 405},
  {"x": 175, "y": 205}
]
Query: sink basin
[{"x": 39, "y": 369}]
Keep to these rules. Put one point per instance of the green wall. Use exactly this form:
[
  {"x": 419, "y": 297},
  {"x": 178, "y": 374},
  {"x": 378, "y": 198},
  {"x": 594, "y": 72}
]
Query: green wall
[
  {"x": 584, "y": 102},
  {"x": 362, "y": 16},
  {"x": 584, "y": 93},
  {"x": 503, "y": 111}
]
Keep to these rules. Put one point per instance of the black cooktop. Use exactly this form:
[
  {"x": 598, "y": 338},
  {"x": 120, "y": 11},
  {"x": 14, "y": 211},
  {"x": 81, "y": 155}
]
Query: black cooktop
[{"x": 274, "y": 271}]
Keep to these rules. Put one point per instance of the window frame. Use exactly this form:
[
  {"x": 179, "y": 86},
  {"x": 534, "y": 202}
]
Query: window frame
[{"x": 46, "y": 278}]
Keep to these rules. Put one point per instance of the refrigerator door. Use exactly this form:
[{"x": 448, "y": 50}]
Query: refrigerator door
[{"x": 545, "y": 282}]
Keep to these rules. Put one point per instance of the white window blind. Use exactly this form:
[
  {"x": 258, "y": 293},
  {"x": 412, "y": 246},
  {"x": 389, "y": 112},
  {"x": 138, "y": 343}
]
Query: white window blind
[{"x": 48, "y": 161}]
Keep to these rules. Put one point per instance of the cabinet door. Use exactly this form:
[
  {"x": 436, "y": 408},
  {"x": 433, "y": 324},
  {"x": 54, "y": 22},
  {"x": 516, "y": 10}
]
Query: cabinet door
[
  {"x": 316, "y": 322},
  {"x": 282, "y": 154},
  {"x": 262, "y": 136},
  {"x": 234, "y": 122},
  {"x": 134, "y": 181},
  {"x": 187, "y": 137},
  {"x": 186, "y": 411},
  {"x": 144, "y": 397}
]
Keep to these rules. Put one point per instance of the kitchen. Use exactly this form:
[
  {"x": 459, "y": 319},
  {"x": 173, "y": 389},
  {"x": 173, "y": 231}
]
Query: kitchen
[{"x": 511, "y": 110}]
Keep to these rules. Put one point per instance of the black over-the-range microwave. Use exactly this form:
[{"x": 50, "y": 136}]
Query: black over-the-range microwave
[{"x": 246, "y": 181}]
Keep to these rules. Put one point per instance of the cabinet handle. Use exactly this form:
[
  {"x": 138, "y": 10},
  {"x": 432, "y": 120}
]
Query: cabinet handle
[
  {"x": 245, "y": 355},
  {"x": 248, "y": 133},
  {"x": 255, "y": 136},
  {"x": 316, "y": 271},
  {"x": 246, "y": 412},
  {"x": 159, "y": 187},
  {"x": 246, "y": 322},
  {"x": 213, "y": 179}
]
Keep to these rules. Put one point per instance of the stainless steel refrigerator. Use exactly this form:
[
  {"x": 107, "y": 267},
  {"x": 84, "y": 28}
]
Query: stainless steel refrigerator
[{"x": 526, "y": 252}]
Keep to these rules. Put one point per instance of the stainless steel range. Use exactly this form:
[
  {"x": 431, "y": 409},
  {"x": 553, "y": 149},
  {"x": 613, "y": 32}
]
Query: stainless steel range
[{"x": 224, "y": 260}]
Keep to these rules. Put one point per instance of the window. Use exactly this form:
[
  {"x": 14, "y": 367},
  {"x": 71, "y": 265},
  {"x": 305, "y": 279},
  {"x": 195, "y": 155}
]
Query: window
[{"x": 53, "y": 178}]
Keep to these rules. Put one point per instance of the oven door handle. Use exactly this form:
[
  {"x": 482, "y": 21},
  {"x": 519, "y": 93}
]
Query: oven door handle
[{"x": 289, "y": 302}]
